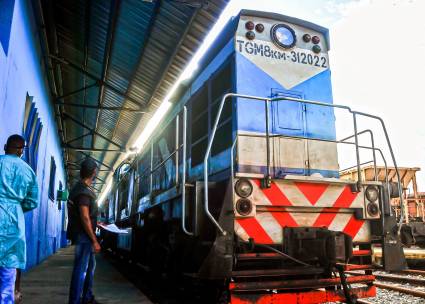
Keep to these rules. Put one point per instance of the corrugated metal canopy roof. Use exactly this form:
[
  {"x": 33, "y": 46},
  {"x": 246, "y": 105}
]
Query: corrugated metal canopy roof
[{"x": 111, "y": 64}]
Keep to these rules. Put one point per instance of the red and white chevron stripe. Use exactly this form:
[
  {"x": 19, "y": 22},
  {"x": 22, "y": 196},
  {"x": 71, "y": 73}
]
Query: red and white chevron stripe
[{"x": 328, "y": 205}]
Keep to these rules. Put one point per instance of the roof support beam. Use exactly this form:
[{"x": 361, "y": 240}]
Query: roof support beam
[
  {"x": 77, "y": 91},
  {"x": 98, "y": 170},
  {"x": 99, "y": 81},
  {"x": 113, "y": 18},
  {"x": 172, "y": 58},
  {"x": 77, "y": 138},
  {"x": 92, "y": 149},
  {"x": 67, "y": 116},
  {"x": 87, "y": 14},
  {"x": 99, "y": 179},
  {"x": 77, "y": 167},
  {"x": 121, "y": 109},
  {"x": 141, "y": 56},
  {"x": 96, "y": 160},
  {"x": 44, "y": 23}
]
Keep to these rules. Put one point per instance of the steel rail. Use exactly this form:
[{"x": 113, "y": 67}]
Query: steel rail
[
  {"x": 400, "y": 279},
  {"x": 413, "y": 271},
  {"x": 409, "y": 291}
]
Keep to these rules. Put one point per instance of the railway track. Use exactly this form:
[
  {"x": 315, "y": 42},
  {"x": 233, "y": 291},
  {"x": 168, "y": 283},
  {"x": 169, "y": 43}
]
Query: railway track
[
  {"x": 401, "y": 279},
  {"x": 404, "y": 284},
  {"x": 396, "y": 278},
  {"x": 413, "y": 272},
  {"x": 409, "y": 291}
]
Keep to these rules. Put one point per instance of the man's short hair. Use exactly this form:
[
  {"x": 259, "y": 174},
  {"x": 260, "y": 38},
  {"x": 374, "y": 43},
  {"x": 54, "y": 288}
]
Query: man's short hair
[
  {"x": 88, "y": 166},
  {"x": 15, "y": 141}
]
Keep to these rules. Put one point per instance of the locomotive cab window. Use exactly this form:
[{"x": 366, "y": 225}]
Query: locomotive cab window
[
  {"x": 143, "y": 176},
  {"x": 205, "y": 107},
  {"x": 221, "y": 85},
  {"x": 123, "y": 198},
  {"x": 199, "y": 127}
]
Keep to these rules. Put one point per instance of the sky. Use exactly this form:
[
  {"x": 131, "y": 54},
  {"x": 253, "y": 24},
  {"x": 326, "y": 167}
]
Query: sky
[{"x": 377, "y": 60}]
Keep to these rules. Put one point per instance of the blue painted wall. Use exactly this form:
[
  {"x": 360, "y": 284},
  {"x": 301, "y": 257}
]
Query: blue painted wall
[{"x": 21, "y": 73}]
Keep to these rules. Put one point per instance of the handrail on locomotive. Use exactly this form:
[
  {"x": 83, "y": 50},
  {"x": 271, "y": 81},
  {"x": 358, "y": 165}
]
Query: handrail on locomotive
[
  {"x": 356, "y": 135},
  {"x": 343, "y": 141}
]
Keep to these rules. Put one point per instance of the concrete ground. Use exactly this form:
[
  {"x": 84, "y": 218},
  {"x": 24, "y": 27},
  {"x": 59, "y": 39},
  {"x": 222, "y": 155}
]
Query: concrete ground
[{"x": 48, "y": 283}]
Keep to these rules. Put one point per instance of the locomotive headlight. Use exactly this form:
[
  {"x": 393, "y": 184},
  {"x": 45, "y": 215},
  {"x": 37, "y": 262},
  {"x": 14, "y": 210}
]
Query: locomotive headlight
[
  {"x": 249, "y": 25},
  {"x": 250, "y": 35},
  {"x": 372, "y": 193},
  {"x": 283, "y": 36},
  {"x": 244, "y": 206},
  {"x": 306, "y": 38},
  {"x": 243, "y": 188},
  {"x": 317, "y": 49},
  {"x": 372, "y": 209},
  {"x": 259, "y": 27},
  {"x": 315, "y": 40}
]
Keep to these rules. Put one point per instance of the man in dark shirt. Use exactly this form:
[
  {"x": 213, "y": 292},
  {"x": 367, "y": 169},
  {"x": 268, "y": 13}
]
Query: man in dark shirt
[{"x": 82, "y": 215}]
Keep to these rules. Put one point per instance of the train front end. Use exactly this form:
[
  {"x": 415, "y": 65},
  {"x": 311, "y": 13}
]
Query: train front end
[{"x": 298, "y": 227}]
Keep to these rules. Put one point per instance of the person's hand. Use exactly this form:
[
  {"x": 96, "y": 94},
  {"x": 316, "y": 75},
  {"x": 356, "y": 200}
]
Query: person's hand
[{"x": 96, "y": 247}]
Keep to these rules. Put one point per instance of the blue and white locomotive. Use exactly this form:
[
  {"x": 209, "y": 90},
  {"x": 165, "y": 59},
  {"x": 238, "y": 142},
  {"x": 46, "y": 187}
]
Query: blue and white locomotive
[{"x": 241, "y": 186}]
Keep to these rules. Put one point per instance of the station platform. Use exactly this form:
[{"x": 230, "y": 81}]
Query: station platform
[{"x": 48, "y": 283}]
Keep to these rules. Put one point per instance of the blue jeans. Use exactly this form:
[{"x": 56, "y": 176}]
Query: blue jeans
[
  {"x": 7, "y": 285},
  {"x": 82, "y": 275}
]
